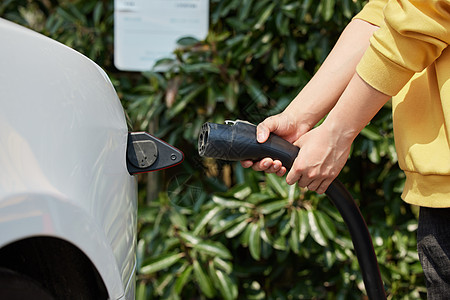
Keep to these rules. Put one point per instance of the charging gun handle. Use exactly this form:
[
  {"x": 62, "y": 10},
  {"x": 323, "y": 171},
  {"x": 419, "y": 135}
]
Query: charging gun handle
[{"x": 236, "y": 141}]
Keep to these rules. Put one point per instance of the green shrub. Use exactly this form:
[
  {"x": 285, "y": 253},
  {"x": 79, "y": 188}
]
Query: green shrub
[
  {"x": 262, "y": 239},
  {"x": 215, "y": 230}
]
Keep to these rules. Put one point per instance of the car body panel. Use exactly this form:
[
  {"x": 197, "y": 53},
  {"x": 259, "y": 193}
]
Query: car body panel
[{"x": 63, "y": 138}]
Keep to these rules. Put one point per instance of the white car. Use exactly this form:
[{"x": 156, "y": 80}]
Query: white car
[{"x": 67, "y": 193}]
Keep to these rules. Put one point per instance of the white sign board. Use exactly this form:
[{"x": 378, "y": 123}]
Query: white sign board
[{"x": 147, "y": 30}]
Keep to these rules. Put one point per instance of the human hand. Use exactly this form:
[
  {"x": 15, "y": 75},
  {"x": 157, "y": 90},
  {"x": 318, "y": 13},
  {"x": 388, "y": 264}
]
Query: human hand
[
  {"x": 323, "y": 153},
  {"x": 285, "y": 126}
]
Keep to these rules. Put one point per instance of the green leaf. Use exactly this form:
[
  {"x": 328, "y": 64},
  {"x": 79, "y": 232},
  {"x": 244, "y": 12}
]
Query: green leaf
[
  {"x": 315, "y": 230},
  {"x": 290, "y": 57},
  {"x": 294, "y": 237},
  {"x": 178, "y": 219},
  {"x": 276, "y": 184},
  {"x": 255, "y": 92},
  {"x": 226, "y": 286},
  {"x": 242, "y": 191},
  {"x": 330, "y": 258},
  {"x": 222, "y": 282},
  {"x": 273, "y": 206},
  {"x": 211, "y": 100},
  {"x": 231, "y": 93},
  {"x": 256, "y": 198},
  {"x": 264, "y": 16},
  {"x": 65, "y": 15},
  {"x": 280, "y": 243},
  {"x": 189, "y": 237},
  {"x": 245, "y": 237},
  {"x": 205, "y": 218},
  {"x": 160, "y": 263},
  {"x": 98, "y": 13},
  {"x": 266, "y": 236},
  {"x": 236, "y": 40},
  {"x": 141, "y": 291},
  {"x": 291, "y": 9},
  {"x": 305, "y": 8},
  {"x": 187, "y": 41},
  {"x": 162, "y": 282},
  {"x": 79, "y": 15},
  {"x": 293, "y": 219},
  {"x": 371, "y": 132},
  {"x": 288, "y": 79},
  {"x": 284, "y": 227},
  {"x": 236, "y": 229},
  {"x": 201, "y": 67},
  {"x": 244, "y": 9},
  {"x": 255, "y": 240},
  {"x": 275, "y": 59},
  {"x": 374, "y": 154},
  {"x": 182, "y": 279},
  {"x": 140, "y": 252},
  {"x": 239, "y": 191},
  {"x": 230, "y": 203},
  {"x": 203, "y": 281},
  {"x": 181, "y": 105},
  {"x": 228, "y": 222},
  {"x": 303, "y": 224},
  {"x": 346, "y": 9},
  {"x": 326, "y": 224},
  {"x": 212, "y": 274},
  {"x": 328, "y": 9},
  {"x": 214, "y": 249},
  {"x": 294, "y": 241},
  {"x": 223, "y": 265}
]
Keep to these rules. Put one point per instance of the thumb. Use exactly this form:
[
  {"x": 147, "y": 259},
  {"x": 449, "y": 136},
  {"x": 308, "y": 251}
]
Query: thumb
[{"x": 264, "y": 128}]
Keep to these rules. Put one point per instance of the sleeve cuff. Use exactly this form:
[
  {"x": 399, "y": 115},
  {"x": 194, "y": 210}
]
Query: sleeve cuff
[{"x": 381, "y": 73}]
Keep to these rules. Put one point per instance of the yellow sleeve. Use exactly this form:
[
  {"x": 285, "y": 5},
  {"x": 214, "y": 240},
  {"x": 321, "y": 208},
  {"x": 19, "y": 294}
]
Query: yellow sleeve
[
  {"x": 412, "y": 37},
  {"x": 372, "y": 12}
]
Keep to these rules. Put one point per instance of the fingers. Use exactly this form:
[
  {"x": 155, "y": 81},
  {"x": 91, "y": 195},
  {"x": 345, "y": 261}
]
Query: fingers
[
  {"x": 311, "y": 183},
  {"x": 267, "y": 165},
  {"x": 262, "y": 133},
  {"x": 263, "y": 164},
  {"x": 319, "y": 186},
  {"x": 317, "y": 182},
  {"x": 267, "y": 126},
  {"x": 246, "y": 163},
  {"x": 324, "y": 186},
  {"x": 270, "y": 166}
]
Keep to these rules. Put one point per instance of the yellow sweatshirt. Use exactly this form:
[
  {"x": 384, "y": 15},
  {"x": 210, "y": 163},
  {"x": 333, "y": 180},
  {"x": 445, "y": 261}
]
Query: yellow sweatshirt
[{"x": 409, "y": 59}]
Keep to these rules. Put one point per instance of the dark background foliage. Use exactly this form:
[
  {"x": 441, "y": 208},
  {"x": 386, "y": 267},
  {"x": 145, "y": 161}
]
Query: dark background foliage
[{"x": 209, "y": 229}]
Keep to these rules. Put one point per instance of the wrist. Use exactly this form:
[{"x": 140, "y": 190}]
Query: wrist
[
  {"x": 356, "y": 107},
  {"x": 341, "y": 129},
  {"x": 301, "y": 118}
]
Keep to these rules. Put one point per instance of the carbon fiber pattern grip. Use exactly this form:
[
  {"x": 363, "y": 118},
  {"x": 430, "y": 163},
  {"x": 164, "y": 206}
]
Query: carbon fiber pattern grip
[{"x": 238, "y": 142}]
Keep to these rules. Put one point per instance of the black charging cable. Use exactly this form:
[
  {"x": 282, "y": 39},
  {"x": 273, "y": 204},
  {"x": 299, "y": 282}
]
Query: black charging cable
[{"x": 236, "y": 141}]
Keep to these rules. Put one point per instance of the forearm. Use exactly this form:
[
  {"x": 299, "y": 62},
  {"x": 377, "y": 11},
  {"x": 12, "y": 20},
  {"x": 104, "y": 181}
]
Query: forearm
[
  {"x": 320, "y": 95},
  {"x": 357, "y": 105},
  {"x": 325, "y": 149},
  {"x": 334, "y": 89}
]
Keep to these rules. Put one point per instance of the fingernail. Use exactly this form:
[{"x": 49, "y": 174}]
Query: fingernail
[
  {"x": 260, "y": 137},
  {"x": 266, "y": 164}
]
